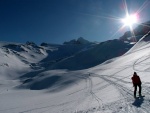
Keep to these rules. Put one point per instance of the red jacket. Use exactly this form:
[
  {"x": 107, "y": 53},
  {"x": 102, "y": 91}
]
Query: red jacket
[{"x": 136, "y": 79}]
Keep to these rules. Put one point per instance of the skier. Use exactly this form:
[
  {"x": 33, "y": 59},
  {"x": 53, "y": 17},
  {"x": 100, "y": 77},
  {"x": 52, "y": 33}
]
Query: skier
[{"x": 136, "y": 82}]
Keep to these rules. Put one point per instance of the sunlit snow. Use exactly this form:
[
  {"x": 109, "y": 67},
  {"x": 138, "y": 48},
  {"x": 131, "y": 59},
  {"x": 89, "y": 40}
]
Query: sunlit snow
[{"x": 27, "y": 87}]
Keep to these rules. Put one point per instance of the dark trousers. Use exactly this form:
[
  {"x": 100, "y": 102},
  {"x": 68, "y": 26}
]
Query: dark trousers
[{"x": 135, "y": 89}]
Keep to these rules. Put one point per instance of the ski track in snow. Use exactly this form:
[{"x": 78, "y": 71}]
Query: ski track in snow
[
  {"x": 126, "y": 103},
  {"x": 123, "y": 105}
]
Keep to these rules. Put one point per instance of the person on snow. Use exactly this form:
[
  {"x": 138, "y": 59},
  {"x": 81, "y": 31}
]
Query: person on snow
[{"x": 136, "y": 82}]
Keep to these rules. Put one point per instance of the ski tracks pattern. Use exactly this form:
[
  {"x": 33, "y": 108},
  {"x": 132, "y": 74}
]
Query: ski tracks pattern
[{"x": 125, "y": 104}]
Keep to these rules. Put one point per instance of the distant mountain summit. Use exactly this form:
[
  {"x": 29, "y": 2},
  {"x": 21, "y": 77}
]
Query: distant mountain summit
[{"x": 80, "y": 40}]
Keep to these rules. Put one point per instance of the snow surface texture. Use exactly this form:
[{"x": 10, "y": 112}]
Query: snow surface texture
[{"x": 27, "y": 87}]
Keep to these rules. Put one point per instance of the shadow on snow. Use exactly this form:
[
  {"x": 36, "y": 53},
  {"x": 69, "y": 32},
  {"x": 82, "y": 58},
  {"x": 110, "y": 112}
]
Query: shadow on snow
[
  {"x": 53, "y": 82},
  {"x": 138, "y": 102}
]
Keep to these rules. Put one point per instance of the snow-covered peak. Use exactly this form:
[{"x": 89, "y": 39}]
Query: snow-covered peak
[{"x": 80, "y": 40}]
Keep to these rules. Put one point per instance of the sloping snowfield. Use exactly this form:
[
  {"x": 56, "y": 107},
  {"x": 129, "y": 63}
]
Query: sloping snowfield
[{"x": 106, "y": 88}]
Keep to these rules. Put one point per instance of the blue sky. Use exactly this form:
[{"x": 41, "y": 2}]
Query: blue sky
[{"x": 56, "y": 21}]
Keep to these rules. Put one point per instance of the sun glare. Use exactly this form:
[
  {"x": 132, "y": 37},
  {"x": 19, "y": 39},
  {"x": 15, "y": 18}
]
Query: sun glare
[{"x": 129, "y": 20}]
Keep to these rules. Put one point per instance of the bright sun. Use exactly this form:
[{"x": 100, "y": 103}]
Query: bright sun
[{"x": 129, "y": 20}]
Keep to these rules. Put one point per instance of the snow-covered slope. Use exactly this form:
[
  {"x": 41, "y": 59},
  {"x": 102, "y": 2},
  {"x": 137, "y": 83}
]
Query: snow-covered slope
[
  {"x": 106, "y": 88},
  {"x": 16, "y": 60},
  {"x": 92, "y": 55}
]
